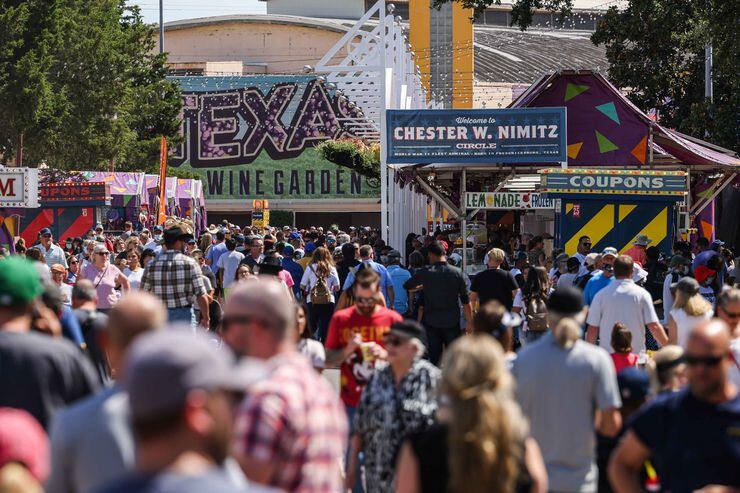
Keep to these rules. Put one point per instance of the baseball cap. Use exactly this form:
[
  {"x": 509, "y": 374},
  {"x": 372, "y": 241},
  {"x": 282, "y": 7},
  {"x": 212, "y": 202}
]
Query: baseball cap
[
  {"x": 566, "y": 300},
  {"x": 294, "y": 235},
  {"x": 19, "y": 282},
  {"x": 310, "y": 247},
  {"x": 98, "y": 226},
  {"x": 58, "y": 268},
  {"x": 609, "y": 251},
  {"x": 163, "y": 366},
  {"x": 288, "y": 250},
  {"x": 677, "y": 260},
  {"x": 44, "y": 231},
  {"x": 23, "y": 440},
  {"x": 638, "y": 273},
  {"x": 265, "y": 299},
  {"x": 520, "y": 256},
  {"x": 409, "y": 329},
  {"x": 642, "y": 240},
  {"x": 591, "y": 259},
  {"x": 717, "y": 244},
  {"x": 687, "y": 285},
  {"x": 573, "y": 263},
  {"x": 157, "y": 228},
  {"x": 702, "y": 272},
  {"x": 634, "y": 384}
]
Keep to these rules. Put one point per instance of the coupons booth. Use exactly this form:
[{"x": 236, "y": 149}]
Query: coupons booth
[{"x": 612, "y": 207}]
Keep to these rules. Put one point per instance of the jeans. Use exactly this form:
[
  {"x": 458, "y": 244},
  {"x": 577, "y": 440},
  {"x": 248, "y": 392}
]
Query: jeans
[
  {"x": 438, "y": 339},
  {"x": 358, "y": 486},
  {"x": 320, "y": 317},
  {"x": 181, "y": 315}
]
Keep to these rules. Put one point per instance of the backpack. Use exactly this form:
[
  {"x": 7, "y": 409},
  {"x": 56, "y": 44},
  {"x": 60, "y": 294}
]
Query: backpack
[
  {"x": 536, "y": 314},
  {"x": 320, "y": 293}
]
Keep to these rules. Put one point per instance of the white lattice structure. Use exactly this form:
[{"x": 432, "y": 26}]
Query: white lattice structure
[{"x": 379, "y": 73}]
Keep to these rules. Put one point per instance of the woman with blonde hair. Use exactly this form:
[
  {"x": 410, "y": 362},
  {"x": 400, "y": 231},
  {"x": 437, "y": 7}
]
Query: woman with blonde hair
[
  {"x": 319, "y": 283},
  {"x": 689, "y": 308},
  {"x": 482, "y": 444}
]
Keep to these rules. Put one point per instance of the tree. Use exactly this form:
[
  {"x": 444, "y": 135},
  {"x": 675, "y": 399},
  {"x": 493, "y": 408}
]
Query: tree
[
  {"x": 81, "y": 82},
  {"x": 655, "y": 49},
  {"x": 521, "y": 10}
]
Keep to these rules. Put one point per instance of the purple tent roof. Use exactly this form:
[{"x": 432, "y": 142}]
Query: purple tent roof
[{"x": 607, "y": 129}]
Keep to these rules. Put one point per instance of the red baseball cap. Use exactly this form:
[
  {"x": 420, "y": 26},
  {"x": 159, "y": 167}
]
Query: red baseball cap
[{"x": 702, "y": 272}]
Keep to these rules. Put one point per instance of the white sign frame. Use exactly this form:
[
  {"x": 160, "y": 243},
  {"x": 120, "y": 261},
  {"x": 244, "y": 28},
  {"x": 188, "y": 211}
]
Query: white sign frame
[{"x": 26, "y": 191}]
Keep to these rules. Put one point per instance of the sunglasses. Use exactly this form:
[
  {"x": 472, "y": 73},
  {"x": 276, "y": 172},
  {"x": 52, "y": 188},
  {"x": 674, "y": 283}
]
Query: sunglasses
[
  {"x": 104, "y": 253},
  {"x": 365, "y": 300},
  {"x": 46, "y": 236},
  {"x": 588, "y": 244},
  {"x": 708, "y": 361}
]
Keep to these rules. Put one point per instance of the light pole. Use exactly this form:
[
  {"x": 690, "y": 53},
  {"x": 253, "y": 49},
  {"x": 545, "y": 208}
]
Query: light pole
[{"x": 161, "y": 26}]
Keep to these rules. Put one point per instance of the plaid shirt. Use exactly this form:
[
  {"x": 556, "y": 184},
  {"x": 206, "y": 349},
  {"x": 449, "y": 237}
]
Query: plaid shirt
[
  {"x": 174, "y": 278},
  {"x": 294, "y": 420}
]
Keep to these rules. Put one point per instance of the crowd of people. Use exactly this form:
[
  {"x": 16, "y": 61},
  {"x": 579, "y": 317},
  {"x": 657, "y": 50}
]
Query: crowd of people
[{"x": 158, "y": 361}]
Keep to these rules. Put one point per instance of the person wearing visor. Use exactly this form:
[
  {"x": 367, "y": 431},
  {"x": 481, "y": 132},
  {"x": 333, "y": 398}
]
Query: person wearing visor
[
  {"x": 399, "y": 399},
  {"x": 106, "y": 277}
]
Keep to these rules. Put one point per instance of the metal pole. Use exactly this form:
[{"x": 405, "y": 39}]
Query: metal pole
[
  {"x": 463, "y": 222},
  {"x": 382, "y": 16},
  {"x": 161, "y": 26},
  {"x": 708, "y": 87}
]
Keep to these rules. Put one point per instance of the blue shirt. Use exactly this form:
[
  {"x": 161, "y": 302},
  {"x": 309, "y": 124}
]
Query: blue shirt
[
  {"x": 296, "y": 272},
  {"x": 695, "y": 443},
  {"x": 215, "y": 253},
  {"x": 54, "y": 255},
  {"x": 71, "y": 327},
  {"x": 399, "y": 275},
  {"x": 594, "y": 285},
  {"x": 385, "y": 278}
]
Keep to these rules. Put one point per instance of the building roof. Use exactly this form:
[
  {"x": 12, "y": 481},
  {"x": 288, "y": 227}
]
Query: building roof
[
  {"x": 512, "y": 56},
  {"x": 293, "y": 20}
]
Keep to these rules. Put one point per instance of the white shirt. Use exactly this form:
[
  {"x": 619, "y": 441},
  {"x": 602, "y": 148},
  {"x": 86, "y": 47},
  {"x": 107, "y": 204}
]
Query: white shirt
[
  {"x": 667, "y": 295},
  {"x": 566, "y": 279},
  {"x": 622, "y": 301},
  {"x": 229, "y": 262},
  {"x": 309, "y": 280},
  {"x": 134, "y": 276},
  {"x": 735, "y": 367},
  {"x": 684, "y": 324},
  {"x": 66, "y": 291},
  {"x": 582, "y": 270}
]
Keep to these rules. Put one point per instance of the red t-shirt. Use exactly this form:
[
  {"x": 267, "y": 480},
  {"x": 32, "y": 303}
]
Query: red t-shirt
[
  {"x": 624, "y": 360},
  {"x": 355, "y": 372}
]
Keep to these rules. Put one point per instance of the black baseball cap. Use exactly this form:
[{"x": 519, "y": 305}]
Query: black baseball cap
[{"x": 566, "y": 300}]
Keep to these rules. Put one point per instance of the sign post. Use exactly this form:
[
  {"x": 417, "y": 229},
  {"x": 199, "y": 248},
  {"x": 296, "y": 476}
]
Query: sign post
[{"x": 260, "y": 213}]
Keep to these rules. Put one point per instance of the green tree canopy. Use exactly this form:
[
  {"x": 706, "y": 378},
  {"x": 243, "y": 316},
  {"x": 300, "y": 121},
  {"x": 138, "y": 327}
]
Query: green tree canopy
[
  {"x": 82, "y": 83},
  {"x": 655, "y": 50}
]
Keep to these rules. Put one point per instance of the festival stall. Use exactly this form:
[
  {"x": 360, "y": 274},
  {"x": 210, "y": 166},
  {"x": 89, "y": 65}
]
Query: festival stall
[{"x": 184, "y": 199}]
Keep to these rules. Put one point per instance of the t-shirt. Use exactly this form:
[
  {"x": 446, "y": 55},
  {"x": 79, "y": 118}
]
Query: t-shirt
[
  {"x": 214, "y": 253},
  {"x": 229, "y": 262},
  {"x": 399, "y": 275},
  {"x": 443, "y": 285},
  {"x": 708, "y": 294},
  {"x": 684, "y": 324},
  {"x": 42, "y": 374},
  {"x": 66, "y": 291},
  {"x": 670, "y": 278},
  {"x": 624, "y": 360},
  {"x": 559, "y": 390},
  {"x": 566, "y": 279},
  {"x": 697, "y": 443},
  {"x": 495, "y": 284},
  {"x": 134, "y": 276},
  {"x": 214, "y": 481},
  {"x": 309, "y": 280},
  {"x": 355, "y": 371},
  {"x": 626, "y": 302},
  {"x": 104, "y": 282},
  {"x": 594, "y": 285}
]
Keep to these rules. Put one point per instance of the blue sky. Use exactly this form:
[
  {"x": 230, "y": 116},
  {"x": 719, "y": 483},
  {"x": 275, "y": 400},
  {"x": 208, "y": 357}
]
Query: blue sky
[{"x": 188, "y": 9}]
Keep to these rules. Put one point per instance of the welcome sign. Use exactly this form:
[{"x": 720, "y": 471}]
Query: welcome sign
[
  {"x": 614, "y": 182},
  {"x": 516, "y": 135}
]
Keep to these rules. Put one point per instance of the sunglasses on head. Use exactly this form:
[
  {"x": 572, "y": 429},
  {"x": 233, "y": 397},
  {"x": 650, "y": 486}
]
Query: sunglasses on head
[
  {"x": 708, "y": 361},
  {"x": 391, "y": 340}
]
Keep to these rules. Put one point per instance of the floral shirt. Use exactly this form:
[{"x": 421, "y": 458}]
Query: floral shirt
[{"x": 387, "y": 414}]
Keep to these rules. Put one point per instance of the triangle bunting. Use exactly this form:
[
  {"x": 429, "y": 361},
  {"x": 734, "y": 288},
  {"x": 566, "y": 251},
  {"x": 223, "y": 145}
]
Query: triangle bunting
[
  {"x": 610, "y": 111},
  {"x": 605, "y": 145},
  {"x": 573, "y": 90},
  {"x": 640, "y": 150},
  {"x": 574, "y": 149}
]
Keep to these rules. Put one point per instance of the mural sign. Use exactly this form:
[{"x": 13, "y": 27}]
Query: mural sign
[
  {"x": 19, "y": 187},
  {"x": 253, "y": 137},
  {"x": 521, "y": 135}
]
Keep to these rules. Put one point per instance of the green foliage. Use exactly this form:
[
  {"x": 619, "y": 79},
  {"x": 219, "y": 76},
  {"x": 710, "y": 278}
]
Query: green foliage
[
  {"x": 353, "y": 154},
  {"x": 81, "y": 81},
  {"x": 656, "y": 49},
  {"x": 521, "y": 10},
  {"x": 281, "y": 218}
]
